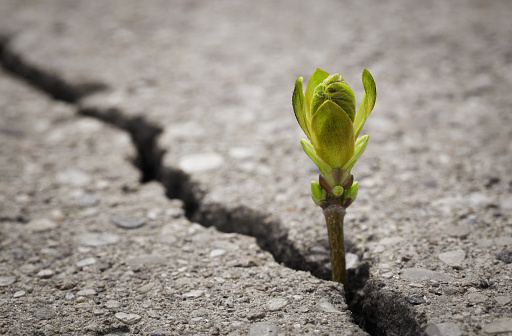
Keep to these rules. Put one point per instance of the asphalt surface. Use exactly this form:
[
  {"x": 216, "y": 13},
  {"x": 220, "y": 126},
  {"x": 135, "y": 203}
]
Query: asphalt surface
[{"x": 200, "y": 94}]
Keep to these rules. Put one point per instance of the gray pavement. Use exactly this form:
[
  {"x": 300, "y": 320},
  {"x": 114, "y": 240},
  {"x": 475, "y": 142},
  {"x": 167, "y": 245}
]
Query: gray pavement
[
  {"x": 204, "y": 91},
  {"x": 88, "y": 250}
]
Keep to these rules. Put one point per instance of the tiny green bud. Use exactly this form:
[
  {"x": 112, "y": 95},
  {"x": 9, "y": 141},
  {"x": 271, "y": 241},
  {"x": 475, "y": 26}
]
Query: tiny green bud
[
  {"x": 350, "y": 194},
  {"x": 317, "y": 193},
  {"x": 337, "y": 191}
]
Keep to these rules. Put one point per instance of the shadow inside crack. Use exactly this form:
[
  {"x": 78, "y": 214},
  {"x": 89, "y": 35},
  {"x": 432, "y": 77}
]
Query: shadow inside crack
[{"x": 385, "y": 312}]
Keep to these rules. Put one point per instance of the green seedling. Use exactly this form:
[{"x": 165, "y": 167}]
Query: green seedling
[{"x": 326, "y": 112}]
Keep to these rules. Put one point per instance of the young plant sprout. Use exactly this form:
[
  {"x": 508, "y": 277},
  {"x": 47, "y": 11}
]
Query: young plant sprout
[{"x": 327, "y": 115}]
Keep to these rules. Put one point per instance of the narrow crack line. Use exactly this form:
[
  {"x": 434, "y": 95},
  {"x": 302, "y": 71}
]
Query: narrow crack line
[
  {"x": 270, "y": 235},
  {"x": 177, "y": 183},
  {"x": 50, "y": 83}
]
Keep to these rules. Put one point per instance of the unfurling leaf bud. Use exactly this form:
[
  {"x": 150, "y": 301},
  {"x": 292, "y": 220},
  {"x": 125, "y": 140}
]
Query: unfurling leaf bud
[
  {"x": 326, "y": 112},
  {"x": 336, "y": 89}
]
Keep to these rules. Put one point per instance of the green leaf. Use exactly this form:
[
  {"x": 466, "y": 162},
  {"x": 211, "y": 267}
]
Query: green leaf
[
  {"x": 332, "y": 134},
  {"x": 310, "y": 151},
  {"x": 367, "y": 103},
  {"x": 299, "y": 108},
  {"x": 359, "y": 149},
  {"x": 316, "y": 78}
]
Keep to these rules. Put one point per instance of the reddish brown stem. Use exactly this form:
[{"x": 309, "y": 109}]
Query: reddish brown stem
[{"x": 334, "y": 214}]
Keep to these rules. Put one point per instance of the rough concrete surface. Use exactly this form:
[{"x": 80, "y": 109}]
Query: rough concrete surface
[
  {"x": 88, "y": 250},
  {"x": 203, "y": 90}
]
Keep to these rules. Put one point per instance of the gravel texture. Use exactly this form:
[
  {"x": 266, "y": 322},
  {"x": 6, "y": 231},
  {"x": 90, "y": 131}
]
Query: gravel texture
[{"x": 202, "y": 90}]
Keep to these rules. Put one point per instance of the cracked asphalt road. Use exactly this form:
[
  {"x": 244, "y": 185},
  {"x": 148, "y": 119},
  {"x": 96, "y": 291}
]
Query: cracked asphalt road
[{"x": 199, "y": 93}]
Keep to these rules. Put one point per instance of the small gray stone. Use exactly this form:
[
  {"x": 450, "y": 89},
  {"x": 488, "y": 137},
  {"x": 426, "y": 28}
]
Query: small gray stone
[
  {"x": 276, "y": 304},
  {"x": 505, "y": 256},
  {"x": 125, "y": 222},
  {"x": 450, "y": 290},
  {"x": 241, "y": 152},
  {"x": 501, "y": 325},
  {"x": 112, "y": 304},
  {"x": 7, "y": 280},
  {"x": 217, "y": 253},
  {"x": 146, "y": 288},
  {"x": 318, "y": 249},
  {"x": 128, "y": 318},
  {"x": 40, "y": 225},
  {"x": 415, "y": 299},
  {"x": 256, "y": 314},
  {"x": 28, "y": 268},
  {"x": 18, "y": 294},
  {"x": 44, "y": 314},
  {"x": 387, "y": 275},
  {"x": 423, "y": 274},
  {"x": 264, "y": 329},
  {"x": 98, "y": 312},
  {"x": 97, "y": 239},
  {"x": 326, "y": 306},
  {"x": 484, "y": 242},
  {"x": 45, "y": 274},
  {"x": 85, "y": 262},
  {"x": 193, "y": 294},
  {"x": 86, "y": 292},
  {"x": 502, "y": 300},
  {"x": 476, "y": 297},
  {"x": 443, "y": 329},
  {"x": 200, "y": 162},
  {"x": 453, "y": 258},
  {"x": 459, "y": 231}
]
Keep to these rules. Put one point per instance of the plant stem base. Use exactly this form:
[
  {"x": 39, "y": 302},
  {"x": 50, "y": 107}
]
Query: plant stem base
[{"x": 334, "y": 214}]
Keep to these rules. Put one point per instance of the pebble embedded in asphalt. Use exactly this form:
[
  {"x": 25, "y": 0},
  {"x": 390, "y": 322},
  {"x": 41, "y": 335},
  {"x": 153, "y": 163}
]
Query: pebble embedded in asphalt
[
  {"x": 126, "y": 222},
  {"x": 453, "y": 258},
  {"x": 128, "y": 318}
]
